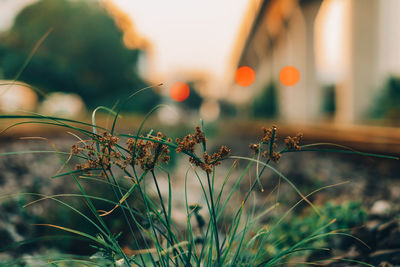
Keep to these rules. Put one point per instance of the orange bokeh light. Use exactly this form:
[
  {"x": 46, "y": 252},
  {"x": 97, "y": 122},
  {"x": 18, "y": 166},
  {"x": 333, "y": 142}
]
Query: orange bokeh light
[
  {"x": 289, "y": 75},
  {"x": 179, "y": 91},
  {"x": 245, "y": 76}
]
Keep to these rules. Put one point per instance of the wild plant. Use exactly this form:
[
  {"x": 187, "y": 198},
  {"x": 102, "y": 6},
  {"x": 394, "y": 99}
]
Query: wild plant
[{"x": 113, "y": 158}]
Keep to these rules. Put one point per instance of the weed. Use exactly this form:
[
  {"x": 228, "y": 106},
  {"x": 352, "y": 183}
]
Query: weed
[{"x": 156, "y": 239}]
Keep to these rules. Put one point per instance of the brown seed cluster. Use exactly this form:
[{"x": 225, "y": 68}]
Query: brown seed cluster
[
  {"x": 268, "y": 133},
  {"x": 292, "y": 143},
  {"x": 188, "y": 143},
  {"x": 255, "y": 148},
  {"x": 104, "y": 157},
  {"x": 209, "y": 161},
  {"x": 144, "y": 153},
  {"x": 148, "y": 153},
  {"x": 274, "y": 156},
  {"x": 108, "y": 140},
  {"x": 269, "y": 139}
]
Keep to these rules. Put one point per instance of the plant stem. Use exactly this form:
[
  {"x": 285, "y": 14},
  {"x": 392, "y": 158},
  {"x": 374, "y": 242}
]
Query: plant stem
[
  {"x": 170, "y": 241},
  {"x": 214, "y": 217}
]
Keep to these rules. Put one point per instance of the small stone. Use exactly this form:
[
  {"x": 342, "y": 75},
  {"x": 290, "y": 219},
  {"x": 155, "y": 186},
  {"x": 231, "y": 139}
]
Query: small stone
[{"x": 380, "y": 208}]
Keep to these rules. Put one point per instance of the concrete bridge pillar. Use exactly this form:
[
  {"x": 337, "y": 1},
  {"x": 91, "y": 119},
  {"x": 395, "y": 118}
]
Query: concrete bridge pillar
[{"x": 354, "y": 94}]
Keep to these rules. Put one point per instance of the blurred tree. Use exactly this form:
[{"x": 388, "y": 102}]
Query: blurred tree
[
  {"x": 266, "y": 104},
  {"x": 84, "y": 54},
  {"x": 194, "y": 100},
  {"x": 227, "y": 109}
]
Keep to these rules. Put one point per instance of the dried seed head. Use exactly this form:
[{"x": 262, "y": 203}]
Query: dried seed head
[
  {"x": 292, "y": 143},
  {"x": 199, "y": 136},
  {"x": 255, "y": 148},
  {"x": 130, "y": 144},
  {"x": 149, "y": 153},
  {"x": 268, "y": 139},
  {"x": 108, "y": 140},
  {"x": 267, "y": 134},
  {"x": 188, "y": 143},
  {"x": 209, "y": 161},
  {"x": 75, "y": 149},
  {"x": 275, "y": 157},
  {"x": 145, "y": 153}
]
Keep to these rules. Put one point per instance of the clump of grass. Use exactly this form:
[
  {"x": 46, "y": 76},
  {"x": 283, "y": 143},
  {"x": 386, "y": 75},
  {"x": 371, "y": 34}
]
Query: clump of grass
[
  {"x": 156, "y": 239},
  {"x": 348, "y": 215}
]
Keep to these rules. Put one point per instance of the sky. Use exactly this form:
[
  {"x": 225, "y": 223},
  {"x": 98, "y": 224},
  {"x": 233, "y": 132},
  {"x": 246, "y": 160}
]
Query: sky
[
  {"x": 188, "y": 34},
  {"x": 8, "y": 10}
]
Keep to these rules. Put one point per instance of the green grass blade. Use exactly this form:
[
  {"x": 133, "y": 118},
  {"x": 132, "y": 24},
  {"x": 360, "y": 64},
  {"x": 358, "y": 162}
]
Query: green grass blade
[{"x": 125, "y": 102}]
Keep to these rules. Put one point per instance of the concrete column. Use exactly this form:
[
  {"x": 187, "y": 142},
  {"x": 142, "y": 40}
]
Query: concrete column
[
  {"x": 300, "y": 102},
  {"x": 313, "y": 89},
  {"x": 389, "y": 39},
  {"x": 354, "y": 96},
  {"x": 292, "y": 50}
]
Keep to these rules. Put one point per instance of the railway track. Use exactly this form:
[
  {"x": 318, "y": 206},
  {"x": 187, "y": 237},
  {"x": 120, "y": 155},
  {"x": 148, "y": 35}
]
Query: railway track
[{"x": 367, "y": 138}]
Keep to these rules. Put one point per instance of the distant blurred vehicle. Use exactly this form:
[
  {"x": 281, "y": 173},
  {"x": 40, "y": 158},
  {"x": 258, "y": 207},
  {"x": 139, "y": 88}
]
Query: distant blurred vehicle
[
  {"x": 16, "y": 97},
  {"x": 63, "y": 105}
]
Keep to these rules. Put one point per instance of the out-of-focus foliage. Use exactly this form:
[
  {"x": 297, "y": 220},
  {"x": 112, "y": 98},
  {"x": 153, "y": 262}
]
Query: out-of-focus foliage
[
  {"x": 227, "y": 109},
  {"x": 23, "y": 221},
  {"x": 266, "y": 104},
  {"x": 293, "y": 230},
  {"x": 388, "y": 104},
  {"x": 84, "y": 53},
  {"x": 194, "y": 100},
  {"x": 329, "y": 103}
]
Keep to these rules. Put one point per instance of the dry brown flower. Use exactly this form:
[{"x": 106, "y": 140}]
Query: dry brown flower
[
  {"x": 255, "y": 148},
  {"x": 188, "y": 143},
  {"x": 145, "y": 153},
  {"x": 268, "y": 133},
  {"x": 75, "y": 149},
  {"x": 199, "y": 136},
  {"x": 292, "y": 143},
  {"x": 130, "y": 144},
  {"x": 108, "y": 140},
  {"x": 148, "y": 153},
  {"x": 269, "y": 140},
  {"x": 83, "y": 166}
]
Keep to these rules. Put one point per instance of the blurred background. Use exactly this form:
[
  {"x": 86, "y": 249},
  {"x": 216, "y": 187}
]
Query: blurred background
[
  {"x": 66, "y": 57},
  {"x": 346, "y": 52},
  {"x": 98, "y": 52}
]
